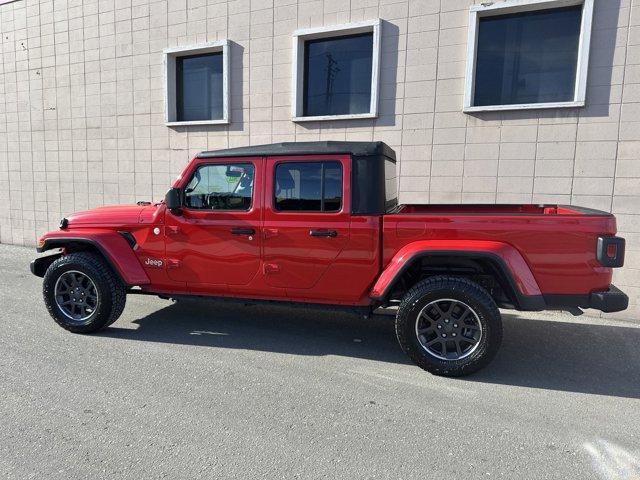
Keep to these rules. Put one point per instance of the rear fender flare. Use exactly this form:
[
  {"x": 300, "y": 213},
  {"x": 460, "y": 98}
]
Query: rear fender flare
[
  {"x": 113, "y": 247},
  {"x": 506, "y": 258}
]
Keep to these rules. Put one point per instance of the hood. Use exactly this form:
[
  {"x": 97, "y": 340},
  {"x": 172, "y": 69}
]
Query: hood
[{"x": 110, "y": 215}]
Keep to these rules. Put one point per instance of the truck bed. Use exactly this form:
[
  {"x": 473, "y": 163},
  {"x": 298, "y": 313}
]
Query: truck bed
[
  {"x": 557, "y": 242},
  {"x": 497, "y": 209}
]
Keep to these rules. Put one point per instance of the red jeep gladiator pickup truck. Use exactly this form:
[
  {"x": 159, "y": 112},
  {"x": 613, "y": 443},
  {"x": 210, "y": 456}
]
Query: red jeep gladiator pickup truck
[{"x": 319, "y": 223}]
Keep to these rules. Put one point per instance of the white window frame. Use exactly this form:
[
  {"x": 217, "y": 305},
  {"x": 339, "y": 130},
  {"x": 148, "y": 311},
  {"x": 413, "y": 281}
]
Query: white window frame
[
  {"x": 517, "y": 6},
  {"x": 170, "y": 56},
  {"x": 297, "y": 88}
]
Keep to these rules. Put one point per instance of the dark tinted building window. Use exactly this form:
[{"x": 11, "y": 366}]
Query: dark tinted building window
[
  {"x": 337, "y": 75},
  {"x": 528, "y": 57},
  {"x": 199, "y": 87},
  {"x": 308, "y": 186}
]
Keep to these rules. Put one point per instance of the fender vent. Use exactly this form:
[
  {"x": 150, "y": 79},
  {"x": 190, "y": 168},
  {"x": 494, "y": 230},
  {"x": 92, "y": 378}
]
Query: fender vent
[{"x": 131, "y": 240}]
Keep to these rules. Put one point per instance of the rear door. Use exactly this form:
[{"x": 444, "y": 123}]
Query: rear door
[
  {"x": 306, "y": 218},
  {"x": 215, "y": 240}
]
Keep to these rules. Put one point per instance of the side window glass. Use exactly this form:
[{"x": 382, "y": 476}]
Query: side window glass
[
  {"x": 332, "y": 187},
  {"x": 308, "y": 186},
  {"x": 221, "y": 187}
]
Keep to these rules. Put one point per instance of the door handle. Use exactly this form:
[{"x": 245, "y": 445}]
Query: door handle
[
  {"x": 242, "y": 231},
  {"x": 323, "y": 233}
]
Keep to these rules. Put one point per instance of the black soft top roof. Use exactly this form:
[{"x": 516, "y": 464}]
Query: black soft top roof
[{"x": 357, "y": 149}]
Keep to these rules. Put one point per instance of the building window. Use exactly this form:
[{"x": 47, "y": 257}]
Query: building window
[
  {"x": 220, "y": 187},
  {"x": 337, "y": 75},
  {"x": 199, "y": 87},
  {"x": 197, "y": 84},
  {"x": 336, "y": 72},
  {"x": 308, "y": 187},
  {"x": 531, "y": 54}
]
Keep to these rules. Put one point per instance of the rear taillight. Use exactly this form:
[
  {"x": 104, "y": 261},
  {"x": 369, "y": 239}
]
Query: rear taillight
[{"x": 611, "y": 251}]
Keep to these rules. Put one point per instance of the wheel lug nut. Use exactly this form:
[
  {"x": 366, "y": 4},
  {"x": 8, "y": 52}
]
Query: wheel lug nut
[
  {"x": 444, "y": 335},
  {"x": 453, "y": 334},
  {"x": 446, "y": 321},
  {"x": 439, "y": 326},
  {"x": 455, "y": 325}
]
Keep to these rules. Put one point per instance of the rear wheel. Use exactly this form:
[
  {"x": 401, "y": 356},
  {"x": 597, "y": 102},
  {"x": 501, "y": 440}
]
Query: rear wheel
[
  {"x": 82, "y": 293},
  {"x": 449, "y": 326}
]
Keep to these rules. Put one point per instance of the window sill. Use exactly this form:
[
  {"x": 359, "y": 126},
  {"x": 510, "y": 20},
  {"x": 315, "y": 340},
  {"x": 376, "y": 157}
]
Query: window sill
[
  {"x": 221, "y": 121},
  {"x": 324, "y": 118},
  {"x": 524, "y": 106}
]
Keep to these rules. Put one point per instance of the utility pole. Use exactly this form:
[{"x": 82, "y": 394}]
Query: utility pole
[{"x": 332, "y": 70}]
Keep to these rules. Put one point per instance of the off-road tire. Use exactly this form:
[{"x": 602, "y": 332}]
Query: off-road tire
[
  {"x": 455, "y": 288},
  {"x": 111, "y": 291}
]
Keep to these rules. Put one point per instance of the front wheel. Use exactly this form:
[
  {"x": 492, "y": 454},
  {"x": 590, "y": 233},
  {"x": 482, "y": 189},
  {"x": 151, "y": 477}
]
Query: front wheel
[
  {"x": 82, "y": 293},
  {"x": 449, "y": 326}
]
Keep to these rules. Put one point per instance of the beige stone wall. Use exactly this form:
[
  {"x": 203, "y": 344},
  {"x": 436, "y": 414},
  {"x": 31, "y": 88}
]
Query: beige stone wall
[{"x": 82, "y": 123}]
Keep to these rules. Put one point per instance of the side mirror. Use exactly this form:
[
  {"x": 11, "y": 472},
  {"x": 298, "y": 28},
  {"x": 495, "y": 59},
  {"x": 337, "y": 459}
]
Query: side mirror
[{"x": 173, "y": 200}]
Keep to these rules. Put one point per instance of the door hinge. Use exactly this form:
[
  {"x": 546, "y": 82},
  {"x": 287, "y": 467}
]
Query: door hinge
[
  {"x": 173, "y": 263},
  {"x": 269, "y": 232},
  {"x": 271, "y": 268}
]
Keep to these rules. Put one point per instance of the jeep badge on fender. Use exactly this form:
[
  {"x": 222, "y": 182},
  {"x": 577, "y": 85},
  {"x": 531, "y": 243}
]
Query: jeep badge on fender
[{"x": 152, "y": 262}]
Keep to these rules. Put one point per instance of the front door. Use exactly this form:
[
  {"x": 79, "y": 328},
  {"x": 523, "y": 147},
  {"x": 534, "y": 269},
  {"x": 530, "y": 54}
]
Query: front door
[
  {"x": 215, "y": 240},
  {"x": 306, "y": 219}
]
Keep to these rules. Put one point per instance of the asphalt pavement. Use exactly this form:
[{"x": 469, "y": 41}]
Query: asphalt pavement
[{"x": 215, "y": 390}]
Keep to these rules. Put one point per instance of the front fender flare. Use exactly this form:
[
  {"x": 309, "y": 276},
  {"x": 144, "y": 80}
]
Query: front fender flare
[
  {"x": 506, "y": 257},
  {"x": 114, "y": 248}
]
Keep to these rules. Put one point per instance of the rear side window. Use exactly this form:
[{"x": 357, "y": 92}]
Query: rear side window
[
  {"x": 220, "y": 187},
  {"x": 390, "y": 185},
  {"x": 308, "y": 187}
]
